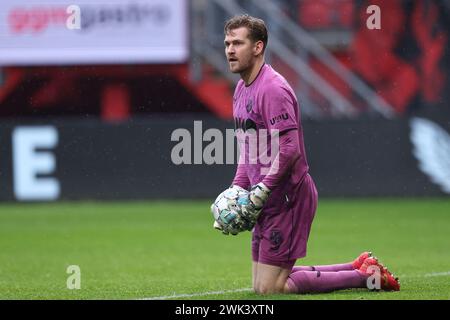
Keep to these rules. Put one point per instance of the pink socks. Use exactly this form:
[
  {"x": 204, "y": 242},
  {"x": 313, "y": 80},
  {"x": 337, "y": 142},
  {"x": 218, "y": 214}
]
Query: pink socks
[
  {"x": 331, "y": 267},
  {"x": 325, "y": 281}
]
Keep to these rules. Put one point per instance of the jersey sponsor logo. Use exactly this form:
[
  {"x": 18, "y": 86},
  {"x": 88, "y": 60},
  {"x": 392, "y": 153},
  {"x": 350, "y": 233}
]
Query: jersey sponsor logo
[
  {"x": 249, "y": 106},
  {"x": 244, "y": 124},
  {"x": 279, "y": 118}
]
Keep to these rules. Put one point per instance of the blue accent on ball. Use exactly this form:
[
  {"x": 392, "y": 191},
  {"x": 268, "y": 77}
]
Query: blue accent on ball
[
  {"x": 227, "y": 216},
  {"x": 243, "y": 201}
]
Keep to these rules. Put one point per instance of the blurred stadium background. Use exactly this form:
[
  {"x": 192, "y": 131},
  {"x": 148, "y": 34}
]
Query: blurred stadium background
[{"x": 86, "y": 123}]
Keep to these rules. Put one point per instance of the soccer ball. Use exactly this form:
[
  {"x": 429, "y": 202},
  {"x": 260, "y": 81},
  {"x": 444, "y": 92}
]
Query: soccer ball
[{"x": 226, "y": 209}]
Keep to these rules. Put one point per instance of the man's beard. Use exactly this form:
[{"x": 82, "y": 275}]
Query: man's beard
[{"x": 242, "y": 68}]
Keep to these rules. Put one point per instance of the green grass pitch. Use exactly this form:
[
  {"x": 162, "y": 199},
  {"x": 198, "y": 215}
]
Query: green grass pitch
[{"x": 134, "y": 250}]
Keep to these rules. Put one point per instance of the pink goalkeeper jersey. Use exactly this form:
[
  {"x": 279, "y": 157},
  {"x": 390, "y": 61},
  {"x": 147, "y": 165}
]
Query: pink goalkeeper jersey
[{"x": 269, "y": 104}]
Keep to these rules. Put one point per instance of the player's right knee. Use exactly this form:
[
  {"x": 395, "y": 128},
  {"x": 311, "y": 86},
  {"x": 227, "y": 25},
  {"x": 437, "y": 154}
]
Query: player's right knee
[{"x": 264, "y": 288}]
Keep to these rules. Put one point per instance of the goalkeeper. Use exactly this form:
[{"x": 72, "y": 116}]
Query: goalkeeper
[{"x": 283, "y": 201}]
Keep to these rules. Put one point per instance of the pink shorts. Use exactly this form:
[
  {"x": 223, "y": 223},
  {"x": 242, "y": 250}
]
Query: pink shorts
[{"x": 281, "y": 234}]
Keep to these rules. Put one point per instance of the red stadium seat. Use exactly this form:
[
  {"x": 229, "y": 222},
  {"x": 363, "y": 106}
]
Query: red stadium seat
[{"x": 326, "y": 14}]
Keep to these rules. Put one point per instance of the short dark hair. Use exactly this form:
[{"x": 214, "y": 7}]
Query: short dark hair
[{"x": 257, "y": 30}]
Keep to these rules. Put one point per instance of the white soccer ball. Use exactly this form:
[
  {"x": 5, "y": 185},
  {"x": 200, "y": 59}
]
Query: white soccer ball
[{"x": 226, "y": 209}]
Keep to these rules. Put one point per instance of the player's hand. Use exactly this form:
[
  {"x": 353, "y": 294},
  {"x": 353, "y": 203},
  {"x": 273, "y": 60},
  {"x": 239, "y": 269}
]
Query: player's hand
[{"x": 257, "y": 199}]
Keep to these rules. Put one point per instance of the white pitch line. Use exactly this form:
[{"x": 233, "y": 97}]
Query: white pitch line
[
  {"x": 426, "y": 275},
  {"x": 437, "y": 274},
  {"x": 175, "y": 296}
]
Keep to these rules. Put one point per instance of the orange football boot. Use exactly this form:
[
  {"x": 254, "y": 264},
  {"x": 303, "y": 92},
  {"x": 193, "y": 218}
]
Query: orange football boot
[
  {"x": 359, "y": 261},
  {"x": 388, "y": 281}
]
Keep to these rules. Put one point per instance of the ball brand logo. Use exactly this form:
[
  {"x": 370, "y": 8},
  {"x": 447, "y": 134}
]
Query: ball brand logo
[{"x": 279, "y": 118}]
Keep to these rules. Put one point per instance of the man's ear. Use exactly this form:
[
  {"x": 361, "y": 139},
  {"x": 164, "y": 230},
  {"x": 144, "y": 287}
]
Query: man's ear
[{"x": 259, "y": 47}]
